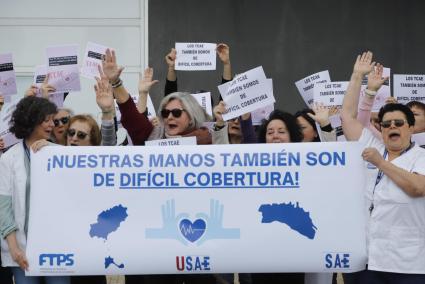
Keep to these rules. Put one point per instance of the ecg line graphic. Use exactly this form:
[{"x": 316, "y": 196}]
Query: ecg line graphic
[{"x": 189, "y": 230}]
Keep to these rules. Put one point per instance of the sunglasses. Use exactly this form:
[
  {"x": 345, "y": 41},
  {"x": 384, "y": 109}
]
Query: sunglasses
[
  {"x": 176, "y": 112},
  {"x": 80, "y": 134},
  {"x": 63, "y": 120},
  {"x": 397, "y": 123}
]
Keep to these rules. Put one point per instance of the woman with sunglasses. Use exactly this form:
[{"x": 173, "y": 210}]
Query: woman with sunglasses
[
  {"x": 394, "y": 189},
  {"x": 61, "y": 121},
  {"x": 181, "y": 115},
  {"x": 32, "y": 120}
]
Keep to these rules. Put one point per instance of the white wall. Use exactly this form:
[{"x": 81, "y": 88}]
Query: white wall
[{"x": 27, "y": 27}]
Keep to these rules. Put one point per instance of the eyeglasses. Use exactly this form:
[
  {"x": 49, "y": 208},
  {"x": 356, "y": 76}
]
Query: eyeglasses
[
  {"x": 397, "y": 123},
  {"x": 80, "y": 134},
  {"x": 176, "y": 112},
  {"x": 63, "y": 120}
]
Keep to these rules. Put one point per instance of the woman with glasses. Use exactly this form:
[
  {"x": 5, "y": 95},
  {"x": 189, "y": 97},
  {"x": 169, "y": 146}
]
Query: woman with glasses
[
  {"x": 83, "y": 131},
  {"x": 180, "y": 113},
  {"x": 32, "y": 120},
  {"x": 394, "y": 189},
  {"x": 61, "y": 121}
]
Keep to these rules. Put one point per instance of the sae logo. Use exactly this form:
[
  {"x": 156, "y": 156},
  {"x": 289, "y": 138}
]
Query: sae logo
[
  {"x": 56, "y": 259},
  {"x": 337, "y": 260},
  {"x": 193, "y": 263}
]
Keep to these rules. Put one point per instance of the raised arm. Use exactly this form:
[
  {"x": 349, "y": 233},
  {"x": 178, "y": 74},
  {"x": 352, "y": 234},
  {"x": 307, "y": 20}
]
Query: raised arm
[
  {"x": 145, "y": 84},
  {"x": 223, "y": 52},
  {"x": 105, "y": 101},
  {"x": 171, "y": 80},
  {"x": 351, "y": 126},
  {"x": 374, "y": 83},
  {"x": 113, "y": 72}
]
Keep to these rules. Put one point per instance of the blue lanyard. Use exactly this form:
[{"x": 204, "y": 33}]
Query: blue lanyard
[{"x": 381, "y": 174}]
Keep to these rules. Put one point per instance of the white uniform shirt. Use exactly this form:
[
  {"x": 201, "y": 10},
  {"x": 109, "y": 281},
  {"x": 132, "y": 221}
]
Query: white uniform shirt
[{"x": 396, "y": 226}]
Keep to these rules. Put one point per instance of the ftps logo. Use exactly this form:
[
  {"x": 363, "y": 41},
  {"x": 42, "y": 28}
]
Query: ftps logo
[{"x": 56, "y": 259}]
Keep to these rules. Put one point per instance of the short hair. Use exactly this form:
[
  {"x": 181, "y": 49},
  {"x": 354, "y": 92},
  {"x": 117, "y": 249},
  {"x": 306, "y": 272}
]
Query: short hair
[
  {"x": 397, "y": 107},
  {"x": 416, "y": 104},
  {"x": 303, "y": 114},
  {"x": 196, "y": 113},
  {"x": 295, "y": 133},
  {"x": 95, "y": 136},
  {"x": 29, "y": 113}
]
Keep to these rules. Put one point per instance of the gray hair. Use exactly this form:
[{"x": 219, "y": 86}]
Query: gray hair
[{"x": 196, "y": 113}]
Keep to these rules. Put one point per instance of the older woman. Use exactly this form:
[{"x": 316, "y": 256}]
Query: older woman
[
  {"x": 394, "y": 189},
  {"x": 181, "y": 115},
  {"x": 32, "y": 120},
  {"x": 61, "y": 121},
  {"x": 83, "y": 131}
]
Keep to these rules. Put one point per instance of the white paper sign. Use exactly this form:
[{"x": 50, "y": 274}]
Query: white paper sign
[
  {"x": 305, "y": 86},
  {"x": 9, "y": 138},
  {"x": 39, "y": 75},
  {"x": 245, "y": 208},
  {"x": 92, "y": 60},
  {"x": 195, "y": 56},
  {"x": 7, "y": 75},
  {"x": 260, "y": 114},
  {"x": 330, "y": 94},
  {"x": 204, "y": 100},
  {"x": 247, "y": 92},
  {"x": 151, "y": 108},
  {"x": 409, "y": 88},
  {"x": 62, "y": 67},
  {"x": 178, "y": 141},
  {"x": 383, "y": 93}
]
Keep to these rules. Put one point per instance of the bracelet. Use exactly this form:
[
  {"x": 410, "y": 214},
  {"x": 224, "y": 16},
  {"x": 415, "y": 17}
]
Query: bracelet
[
  {"x": 217, "y": 128},
  {"x": 370, "y": 93},
  {"x": 117, "y": 84}
]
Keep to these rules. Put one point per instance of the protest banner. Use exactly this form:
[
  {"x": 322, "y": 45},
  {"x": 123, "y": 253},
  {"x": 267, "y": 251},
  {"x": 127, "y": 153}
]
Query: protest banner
[
  {"x": 92, "y": 60},
  {"x": 7, "y": 75},
  {"x": 195, "y": 56},
  {"x": 195, "y": 209},
  {"x": 247, "y": 92},
  {"x": 330, "y": 94},
  {"x": 62, "y": 67},
  {"x": 409, "y": 88},
  {"x": 305, "y": 86}
]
